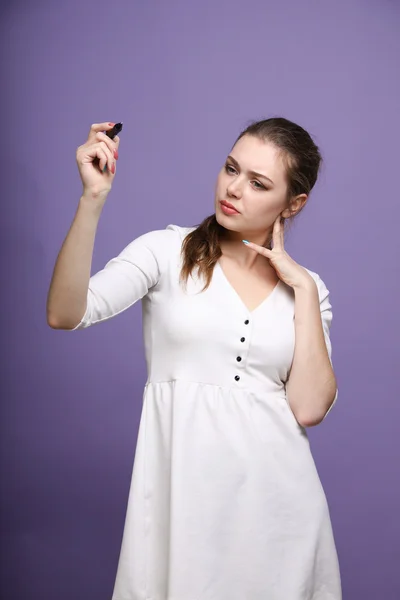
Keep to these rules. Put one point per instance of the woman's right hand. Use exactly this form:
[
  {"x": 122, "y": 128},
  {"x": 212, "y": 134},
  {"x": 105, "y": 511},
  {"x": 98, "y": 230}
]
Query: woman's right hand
[{"x": 97, "y": 152}]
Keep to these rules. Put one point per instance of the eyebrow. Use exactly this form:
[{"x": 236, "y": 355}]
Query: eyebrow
[{"x": 260, "y": 175}]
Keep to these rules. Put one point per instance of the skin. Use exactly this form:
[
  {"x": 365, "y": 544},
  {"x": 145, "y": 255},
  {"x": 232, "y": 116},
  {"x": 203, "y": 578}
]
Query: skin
[{"x": 261, "y": 202}]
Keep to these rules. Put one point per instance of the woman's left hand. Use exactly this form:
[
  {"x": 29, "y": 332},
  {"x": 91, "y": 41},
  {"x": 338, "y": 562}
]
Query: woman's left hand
[{"x": 286, "y": 268}]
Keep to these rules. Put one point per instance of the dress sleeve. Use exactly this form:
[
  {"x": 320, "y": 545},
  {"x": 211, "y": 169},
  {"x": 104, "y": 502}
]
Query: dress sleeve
[
  {"x": 326, "y": 316},
  {"x": 126, "y": 278}
]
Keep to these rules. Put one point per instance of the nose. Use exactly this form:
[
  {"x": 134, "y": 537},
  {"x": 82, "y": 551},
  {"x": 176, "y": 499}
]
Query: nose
[{"x": 234, "y": 189}]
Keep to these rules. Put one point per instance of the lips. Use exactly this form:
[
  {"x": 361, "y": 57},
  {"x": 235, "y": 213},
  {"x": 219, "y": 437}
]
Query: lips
[{"x": 228, "y": 205}]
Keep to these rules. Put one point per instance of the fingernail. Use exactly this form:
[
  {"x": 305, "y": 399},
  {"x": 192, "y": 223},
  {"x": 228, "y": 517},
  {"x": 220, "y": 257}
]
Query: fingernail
[
  {"x": 245, "y": 242},
  {"x": 105, "y": 167},
  {"x": 111, "y": 124},
  {"x": 113, "y": 168},
  {"x": 115, "y": 154}
]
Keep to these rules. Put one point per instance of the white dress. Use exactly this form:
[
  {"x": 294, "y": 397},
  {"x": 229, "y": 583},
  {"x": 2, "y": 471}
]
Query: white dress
[{"x": 225, "y": 500}]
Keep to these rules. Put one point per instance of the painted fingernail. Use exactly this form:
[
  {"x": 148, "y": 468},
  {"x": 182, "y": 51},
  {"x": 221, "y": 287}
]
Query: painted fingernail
[
  {"x": 245, "y": 242},
  {"x": 113, "y": 168},
  {"x": 115, "y": 154},
  {"x": 105, "y": 167},
  {"x": 111, "y": 124}
]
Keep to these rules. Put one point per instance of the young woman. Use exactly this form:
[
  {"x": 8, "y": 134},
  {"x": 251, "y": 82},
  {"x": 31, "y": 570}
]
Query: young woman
[{"x": 225, "y": 502}]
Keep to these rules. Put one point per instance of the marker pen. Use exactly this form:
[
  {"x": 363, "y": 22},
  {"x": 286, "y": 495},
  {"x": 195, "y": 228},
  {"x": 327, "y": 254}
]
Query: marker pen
[{"x": 111, "y": 133}]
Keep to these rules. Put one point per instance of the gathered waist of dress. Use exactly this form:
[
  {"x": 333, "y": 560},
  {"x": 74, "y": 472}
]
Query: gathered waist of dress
[{"x": 257, "y": 388}]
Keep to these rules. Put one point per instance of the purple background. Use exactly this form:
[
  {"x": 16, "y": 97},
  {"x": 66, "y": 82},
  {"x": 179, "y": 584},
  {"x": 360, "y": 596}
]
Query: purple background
[{"x": 186, "y": 77}]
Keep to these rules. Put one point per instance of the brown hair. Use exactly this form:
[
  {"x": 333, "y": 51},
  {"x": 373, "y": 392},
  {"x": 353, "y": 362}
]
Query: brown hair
[{"x": 201, "y": 247}]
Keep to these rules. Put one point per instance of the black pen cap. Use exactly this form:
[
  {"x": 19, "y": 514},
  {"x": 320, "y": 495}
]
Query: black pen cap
[{"x": 111, "y": 133}]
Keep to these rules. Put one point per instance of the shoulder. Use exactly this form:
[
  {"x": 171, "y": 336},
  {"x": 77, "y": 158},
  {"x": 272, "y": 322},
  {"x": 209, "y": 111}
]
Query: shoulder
[
  {"x": 161, "y": 239},
  {"x": 157, "y": 248},
  {"x": 171, "y": 234},
  {"x": 180, "y": 231}
]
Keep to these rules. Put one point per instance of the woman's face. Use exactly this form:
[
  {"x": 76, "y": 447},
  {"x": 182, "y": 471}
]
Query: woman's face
[{"x": 253, "y": 182}]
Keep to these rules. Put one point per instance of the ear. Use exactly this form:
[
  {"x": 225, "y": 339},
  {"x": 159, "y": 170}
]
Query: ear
[{"x": 295, "y": 206}]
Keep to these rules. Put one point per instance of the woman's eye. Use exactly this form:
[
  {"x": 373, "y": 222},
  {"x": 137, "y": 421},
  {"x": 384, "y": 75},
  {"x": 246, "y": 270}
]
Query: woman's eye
[
  {"x": 229, "y": 169},
  {"x": 258, "y": 185}
]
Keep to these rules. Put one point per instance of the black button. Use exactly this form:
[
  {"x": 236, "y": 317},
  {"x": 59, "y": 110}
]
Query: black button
[
  {"x": 242, "y": 339},
  {"x": 237, "y": 377},
  {"x": 239, "y": 358},
  {"x": 246, "y": 322}
]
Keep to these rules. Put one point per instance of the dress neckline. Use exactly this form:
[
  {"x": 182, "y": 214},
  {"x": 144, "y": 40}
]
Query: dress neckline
[{"x": 230, "y": 287}]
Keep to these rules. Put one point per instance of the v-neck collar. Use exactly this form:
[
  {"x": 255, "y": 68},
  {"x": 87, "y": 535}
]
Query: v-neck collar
[{"x": 230, "y": 287}]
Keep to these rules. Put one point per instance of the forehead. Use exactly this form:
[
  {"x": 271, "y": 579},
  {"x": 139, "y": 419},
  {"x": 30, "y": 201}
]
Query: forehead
[{"x": 254, "y": 154}]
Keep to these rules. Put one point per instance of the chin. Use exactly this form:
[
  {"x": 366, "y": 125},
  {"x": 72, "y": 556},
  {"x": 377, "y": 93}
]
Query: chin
[{"x": 223, "y": 220}]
